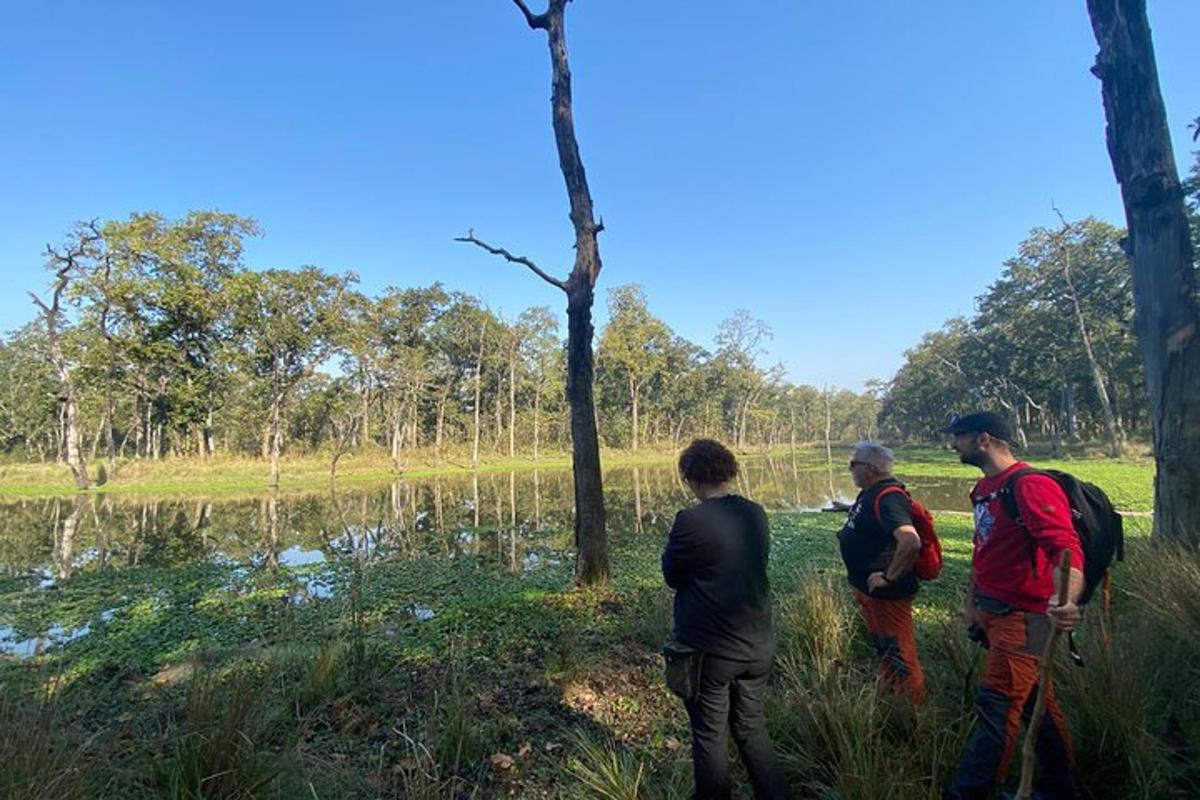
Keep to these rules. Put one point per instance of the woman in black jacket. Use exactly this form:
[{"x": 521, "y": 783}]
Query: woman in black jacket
[{"x": 722, "y": 643}]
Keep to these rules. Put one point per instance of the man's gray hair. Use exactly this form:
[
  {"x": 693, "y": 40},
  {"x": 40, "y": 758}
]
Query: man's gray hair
[{"x": 878, "y": 456}]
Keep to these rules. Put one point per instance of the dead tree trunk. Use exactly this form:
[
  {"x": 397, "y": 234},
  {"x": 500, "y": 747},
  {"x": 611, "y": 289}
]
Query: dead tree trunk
[
  {"x": 1160, "y": 250},
  {"x": 65, "y": 266},
  {"x": 591, "y": 535}
]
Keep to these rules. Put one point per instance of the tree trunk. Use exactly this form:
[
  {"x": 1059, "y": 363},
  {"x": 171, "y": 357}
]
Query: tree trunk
[
  {"x": 440, "y": 427},
  {"x": 1070, "y": 414},
  {"x": 742, "y": 421},
  {"x": 1111, "y": 425},
  {"x": 110, "y": 444},
  {"x": 366, "y": 412},
  {"x": 499, "y": 409},
  {"x": 633, "y": 401},
  {"x": 275, "y": 437},
  {"x": 397, "y": 438},
  {"x": 537, "y": 413},
  {"x": 208, "y": 440},
  {"x": 478, "y": 392},
  {"x": 72, "y": 444},
  {"x": 1160, "y": 249},
  {"x": 1014, "y": 415},
  {"x": 137, "y": 426},
  {"x": 591, "y": 535},
  {"x": 512, "y": 405},
  {"x": 828, "y": 441},
  {"x": 792, "y": 429},
  {"x": 414, "y": 432}
]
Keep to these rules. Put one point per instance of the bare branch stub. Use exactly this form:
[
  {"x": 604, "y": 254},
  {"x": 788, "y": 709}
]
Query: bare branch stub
[
  {"x": 507, "y": 256},
  {"x": 535, "y": 20},
  {"x": 40, "y": 303}
]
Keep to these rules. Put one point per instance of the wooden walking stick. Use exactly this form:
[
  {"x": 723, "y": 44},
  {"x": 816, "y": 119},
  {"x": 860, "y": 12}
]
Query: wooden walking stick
[{"x": 1045, "y": 682}]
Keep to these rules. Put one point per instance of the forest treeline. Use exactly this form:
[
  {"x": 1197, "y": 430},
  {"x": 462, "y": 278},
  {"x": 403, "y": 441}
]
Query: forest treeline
[
  {"x": 171, "y": 345},
  {"x": 1052, "y": 342},
  {"x": 168, "y": 344}
]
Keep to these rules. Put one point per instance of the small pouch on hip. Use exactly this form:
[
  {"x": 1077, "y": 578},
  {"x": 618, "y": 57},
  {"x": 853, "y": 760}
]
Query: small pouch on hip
[{"x": 683, "y": 670}]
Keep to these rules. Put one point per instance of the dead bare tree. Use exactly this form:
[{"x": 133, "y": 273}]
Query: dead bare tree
[
  {"x": 1112, "y": 425},
  {"x": 66, "y": 266},
  {"x": 591, "y": 535},
  {"x": 1160, "y": 251}
]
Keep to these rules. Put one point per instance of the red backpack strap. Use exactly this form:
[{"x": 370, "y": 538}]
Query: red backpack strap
[{"x": 888, "y": 490}]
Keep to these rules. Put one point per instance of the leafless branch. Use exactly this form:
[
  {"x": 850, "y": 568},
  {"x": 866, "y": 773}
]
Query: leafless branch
[
  {"x": 535, "y": 20},
  {"x": 1061, "y": 218},
  {"x": 500, "y": 251},
  {"x": 40, "y": 303}
]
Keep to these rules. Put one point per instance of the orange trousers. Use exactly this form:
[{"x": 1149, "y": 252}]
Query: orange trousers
[
  {"x": 890, "y": 629},
  {"x": 1016, "y": 641}
]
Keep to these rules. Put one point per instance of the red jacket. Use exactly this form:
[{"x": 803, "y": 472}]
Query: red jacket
[{"x": 1014, "y": 563}]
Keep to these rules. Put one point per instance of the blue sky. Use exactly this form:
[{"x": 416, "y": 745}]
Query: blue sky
[{"x": 852, "y": 173}]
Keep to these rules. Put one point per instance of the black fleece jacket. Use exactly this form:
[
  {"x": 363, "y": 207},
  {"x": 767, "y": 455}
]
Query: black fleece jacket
[{"x": 716, "y": 560}]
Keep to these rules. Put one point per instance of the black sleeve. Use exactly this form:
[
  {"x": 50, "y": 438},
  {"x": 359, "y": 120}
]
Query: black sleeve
[
  {"x": 763, "y": 524},
  {"x": 683, "y": 552},
  {"x": 894, "y": 510}
]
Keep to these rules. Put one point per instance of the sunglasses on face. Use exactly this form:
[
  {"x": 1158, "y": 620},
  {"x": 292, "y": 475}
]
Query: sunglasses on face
[{"x": 854, "y": 464}]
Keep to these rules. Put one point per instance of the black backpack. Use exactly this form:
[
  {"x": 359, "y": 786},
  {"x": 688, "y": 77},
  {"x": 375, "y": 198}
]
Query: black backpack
[{"x": 1101, "y": 529}]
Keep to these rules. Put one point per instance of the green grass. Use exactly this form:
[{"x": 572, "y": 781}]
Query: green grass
[{"x": 1128, "y": 481}]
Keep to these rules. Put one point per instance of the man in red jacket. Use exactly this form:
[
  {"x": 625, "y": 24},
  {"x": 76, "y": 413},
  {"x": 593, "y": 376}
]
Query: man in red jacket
[{"x": 1011, "y": 604}]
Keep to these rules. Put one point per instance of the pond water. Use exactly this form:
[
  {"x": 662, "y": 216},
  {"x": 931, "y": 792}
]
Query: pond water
[{"x": 518, "y": 521}]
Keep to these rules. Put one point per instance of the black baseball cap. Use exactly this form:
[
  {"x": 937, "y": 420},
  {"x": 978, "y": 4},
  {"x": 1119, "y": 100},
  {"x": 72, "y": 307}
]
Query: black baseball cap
[{"x": 988, "y": 422}]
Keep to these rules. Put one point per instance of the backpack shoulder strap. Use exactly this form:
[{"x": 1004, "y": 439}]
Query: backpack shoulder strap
[
  {"x": 1008, "y": 496},
  {"x": 1008, "y": 493},
  {"x": 889, "y": 490}
]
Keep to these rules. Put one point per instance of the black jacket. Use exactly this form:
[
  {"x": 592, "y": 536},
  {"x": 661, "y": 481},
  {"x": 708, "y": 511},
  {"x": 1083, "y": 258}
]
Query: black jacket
[{"x": 716, "y": 560}]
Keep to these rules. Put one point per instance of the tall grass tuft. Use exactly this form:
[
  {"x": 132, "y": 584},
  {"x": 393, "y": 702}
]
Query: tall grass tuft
[
  {"x": 815, "y": 628},
  {"x": 839, "y": 732},
  {"x": 42, "y": 755},
  {"x": 223, "y": 747},
  {"x": 601, "y": 769},
  {"x": 1135, "y": 704},
  {"x": 443, "y": 753}
]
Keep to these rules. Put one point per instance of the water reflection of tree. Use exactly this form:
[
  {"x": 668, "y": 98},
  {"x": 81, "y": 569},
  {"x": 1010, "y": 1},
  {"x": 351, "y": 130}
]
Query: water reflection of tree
[
  {"x": 64, "y": 550},
  {"x": 637, "y": 501},
  {"x": 268, "y": 526},
  {"x": 408, "y": 518}
]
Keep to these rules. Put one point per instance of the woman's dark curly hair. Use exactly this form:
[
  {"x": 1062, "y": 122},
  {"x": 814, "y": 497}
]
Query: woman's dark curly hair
[{"x": 707, "y": 462}]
